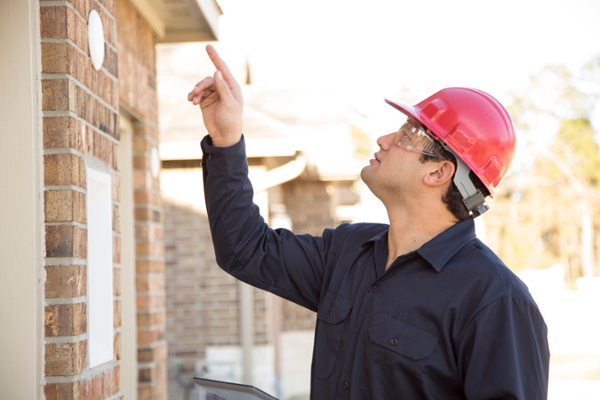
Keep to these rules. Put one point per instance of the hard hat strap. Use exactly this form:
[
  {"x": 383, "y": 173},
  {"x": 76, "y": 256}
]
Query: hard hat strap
[{"x": 473, "y": 199}]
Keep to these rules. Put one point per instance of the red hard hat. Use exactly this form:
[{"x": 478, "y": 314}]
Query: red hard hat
[{"x": 474, "y": 125}]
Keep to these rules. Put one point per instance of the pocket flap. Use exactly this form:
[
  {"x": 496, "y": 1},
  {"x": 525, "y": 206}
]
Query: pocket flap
[
  {"x": 402, "y": 338},
  {"x": 334, "y": 309}
]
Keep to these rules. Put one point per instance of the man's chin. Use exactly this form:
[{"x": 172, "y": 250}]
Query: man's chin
[{"x": 364, "y": 174}]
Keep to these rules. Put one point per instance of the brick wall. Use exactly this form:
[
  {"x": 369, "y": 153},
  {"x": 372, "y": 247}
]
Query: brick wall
[
  {"x": 80, "y": 112},
  {"x": 80, "y": 107},
  {"x": 137, "y": 89},
  {"x": 203, "y": 302}
]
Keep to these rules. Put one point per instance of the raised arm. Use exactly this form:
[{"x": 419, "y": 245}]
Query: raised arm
[
  {"x": 221, "y": 102},
  {"x": 278, "y": 261}
]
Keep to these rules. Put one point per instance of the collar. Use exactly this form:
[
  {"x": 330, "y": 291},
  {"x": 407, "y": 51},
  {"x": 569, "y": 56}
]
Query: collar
[{"x": 444, "y": 246}]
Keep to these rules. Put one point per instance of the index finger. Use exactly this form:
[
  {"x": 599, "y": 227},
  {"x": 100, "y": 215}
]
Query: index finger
[{"x": 219, "y": 63}]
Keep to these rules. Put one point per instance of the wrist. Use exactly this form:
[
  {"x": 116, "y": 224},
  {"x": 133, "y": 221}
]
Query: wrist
[{"x": 226, "y": 142}]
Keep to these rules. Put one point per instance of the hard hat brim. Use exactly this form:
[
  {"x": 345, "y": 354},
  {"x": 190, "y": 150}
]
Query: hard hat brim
[
  {"x": 410, "y": 111},
  {"x": 405, "y": 108}
]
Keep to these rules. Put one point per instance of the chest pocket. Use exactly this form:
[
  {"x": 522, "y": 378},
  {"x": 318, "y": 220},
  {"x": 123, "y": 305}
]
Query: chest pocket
[
  {"x": 401, "y": 338},
  {"x": 331, "y": 317}
]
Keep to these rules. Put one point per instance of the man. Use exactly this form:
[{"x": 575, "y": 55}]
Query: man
[{"x": 419, "y": 309}]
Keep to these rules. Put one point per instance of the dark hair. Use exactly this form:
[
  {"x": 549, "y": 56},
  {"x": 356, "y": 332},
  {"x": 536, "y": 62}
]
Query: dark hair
[{"x": 452, "y": 198}]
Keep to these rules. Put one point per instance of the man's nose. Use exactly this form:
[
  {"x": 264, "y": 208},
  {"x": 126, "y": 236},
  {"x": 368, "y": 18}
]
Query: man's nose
[{"x": 386, "y": 141}]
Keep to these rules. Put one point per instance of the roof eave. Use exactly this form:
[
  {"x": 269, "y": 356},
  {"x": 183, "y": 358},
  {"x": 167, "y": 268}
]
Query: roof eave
[{"x": 184, "y": 21}]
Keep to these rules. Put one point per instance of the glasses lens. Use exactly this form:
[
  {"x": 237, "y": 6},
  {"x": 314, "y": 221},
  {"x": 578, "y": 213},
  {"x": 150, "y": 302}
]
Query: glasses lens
[{"x": 414, "y": 138}]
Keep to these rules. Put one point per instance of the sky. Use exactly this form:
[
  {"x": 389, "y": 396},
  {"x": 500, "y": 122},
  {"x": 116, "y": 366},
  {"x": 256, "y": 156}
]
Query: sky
[
  {"x": 371, "y": 48},
  {"x": 351, "y": 54}
]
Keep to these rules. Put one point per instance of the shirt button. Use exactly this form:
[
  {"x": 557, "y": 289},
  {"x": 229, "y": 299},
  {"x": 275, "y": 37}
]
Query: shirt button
[
  {"x": 375, "y": 288},
  {"x": 394, "y": 341},
  {"x": 346, "y": 385}
]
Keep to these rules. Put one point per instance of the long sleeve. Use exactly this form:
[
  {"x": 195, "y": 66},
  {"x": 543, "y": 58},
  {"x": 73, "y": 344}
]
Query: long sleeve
[
  {"x": 285, "y": 264},
  {"x": 504, "y": 352}
]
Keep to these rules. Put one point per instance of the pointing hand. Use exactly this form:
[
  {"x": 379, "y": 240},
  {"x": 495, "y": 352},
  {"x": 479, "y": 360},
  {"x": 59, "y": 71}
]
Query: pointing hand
[{"x": 221, "y": 102}]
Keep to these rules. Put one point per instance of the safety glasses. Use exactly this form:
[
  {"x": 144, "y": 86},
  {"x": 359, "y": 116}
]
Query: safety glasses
[{"x": 413, "y": 137}]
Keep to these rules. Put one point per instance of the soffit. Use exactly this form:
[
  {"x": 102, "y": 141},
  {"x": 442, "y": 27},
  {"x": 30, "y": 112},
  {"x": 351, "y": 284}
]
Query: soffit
[{"x": 176, "y": 21}]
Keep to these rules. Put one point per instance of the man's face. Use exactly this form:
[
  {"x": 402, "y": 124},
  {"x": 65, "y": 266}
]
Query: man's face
[
  {"x": 393, "y": 170},
  {"x": 397, "y": 168}
]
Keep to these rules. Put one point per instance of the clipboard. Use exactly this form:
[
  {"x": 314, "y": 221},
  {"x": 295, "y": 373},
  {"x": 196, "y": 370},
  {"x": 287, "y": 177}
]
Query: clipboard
[{"x": 232, "y": 391}]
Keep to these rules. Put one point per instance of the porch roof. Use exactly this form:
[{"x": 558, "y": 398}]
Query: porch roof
[{"x": 176, "y": 21}]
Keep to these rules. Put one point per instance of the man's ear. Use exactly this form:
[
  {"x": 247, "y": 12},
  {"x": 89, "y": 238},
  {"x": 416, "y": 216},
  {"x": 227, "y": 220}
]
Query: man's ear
[{"x": 440, "y": 173}]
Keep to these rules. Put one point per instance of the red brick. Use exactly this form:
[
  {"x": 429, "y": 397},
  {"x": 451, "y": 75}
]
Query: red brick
[
  {"x": 117, "y": 346},
  {"x": 117, "y": 280},
  {"x": 64, "y": 169},
  {"x": 65, "y": 359},
  {"x": 146, "y": 338},
  {"x": 65, "y": 319},
  {"x": 56, "y": 58},
  {"x": 59, "y": 95},
  {"x": 66, "y": 241},
  {"x": 117, "y": 313},
  {"x": 64, "y": 132},
  {"x": 53, "y": 22},
  {"x": 61, "y": 391},
  {"x": 66, "y": 281},
  {"x": 96, "y": 387},
  {"x": 145, "y": 265},
  {"x": 64, "y": 206},
  {"x": 108, "y": 387},
  {"x": 117, "y": 249}
]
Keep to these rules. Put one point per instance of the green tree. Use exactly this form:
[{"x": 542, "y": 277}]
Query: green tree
[{"x": 548, "y": 211}]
